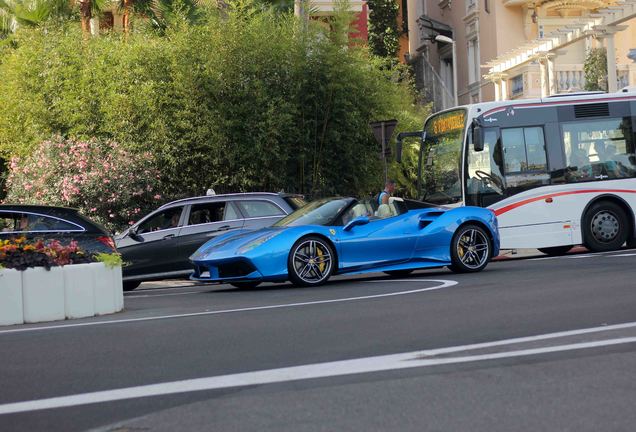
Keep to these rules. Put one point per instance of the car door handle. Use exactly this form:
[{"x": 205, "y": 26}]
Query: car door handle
[
  {"x": 169, "y": 236},
  {"x": 224, "y": 228}
]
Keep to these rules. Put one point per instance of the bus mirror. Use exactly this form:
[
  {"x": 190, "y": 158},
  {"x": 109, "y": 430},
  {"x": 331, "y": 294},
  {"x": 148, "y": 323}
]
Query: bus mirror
[{"x": 478, "y": 136}]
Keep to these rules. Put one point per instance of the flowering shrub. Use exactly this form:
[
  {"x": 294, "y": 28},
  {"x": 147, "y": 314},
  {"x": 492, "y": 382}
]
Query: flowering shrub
[
  {"x": 100, "y": 178},
  {"x": 20, "y": 254}
]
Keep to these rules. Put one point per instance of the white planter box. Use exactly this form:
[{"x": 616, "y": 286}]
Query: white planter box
[
  {"x": 43, "y": 294},
  {"x": 118, "y": 288},
  {"x": 11, "y": 297},
  {"x": 104, "y": 289},
  {"x": 79, "y": 287},
  {"x": 72, "y": 291}
]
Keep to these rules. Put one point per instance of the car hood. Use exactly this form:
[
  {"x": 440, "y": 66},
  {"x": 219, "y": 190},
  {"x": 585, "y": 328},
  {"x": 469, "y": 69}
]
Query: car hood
[{"x": 230, "y": 242}]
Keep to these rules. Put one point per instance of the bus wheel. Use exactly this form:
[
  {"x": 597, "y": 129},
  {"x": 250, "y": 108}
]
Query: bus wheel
[
  {"x": 605, "y": 227},
  {"x": 556, "y": 250}
]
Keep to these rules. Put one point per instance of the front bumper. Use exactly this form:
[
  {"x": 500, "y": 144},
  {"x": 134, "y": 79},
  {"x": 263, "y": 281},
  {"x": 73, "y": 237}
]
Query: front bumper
[{"x": 225, "y": 271}]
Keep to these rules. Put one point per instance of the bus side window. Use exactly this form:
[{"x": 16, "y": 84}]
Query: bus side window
[
  {"x": 524, "y": 149},
  {"x": 599, "y": 149}
]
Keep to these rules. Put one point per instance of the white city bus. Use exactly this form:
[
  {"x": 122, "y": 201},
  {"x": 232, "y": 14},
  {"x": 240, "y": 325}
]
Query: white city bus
[{"x": 557, "y": 171}]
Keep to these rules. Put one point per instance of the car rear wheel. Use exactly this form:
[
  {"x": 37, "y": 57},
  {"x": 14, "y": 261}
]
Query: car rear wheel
[
  {"x": 245, "y": 285},
  {"x": 131, "y": 285},
  {"x": 556, "y": 250},
  {"x": 470, "y": 249},
  {"x": 605, "y": 227},
  {"x": 310, "y": 261}
]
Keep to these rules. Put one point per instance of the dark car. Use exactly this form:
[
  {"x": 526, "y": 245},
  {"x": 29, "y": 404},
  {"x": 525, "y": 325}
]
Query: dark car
[
  {"x": 54, "y": 223},
  {"x": 160, "y": 244}
]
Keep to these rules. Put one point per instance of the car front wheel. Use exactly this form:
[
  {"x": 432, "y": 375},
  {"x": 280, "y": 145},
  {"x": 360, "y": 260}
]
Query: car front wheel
[
  {"x": 470, "y": 249},
  {"x": 310, "y": 261}
]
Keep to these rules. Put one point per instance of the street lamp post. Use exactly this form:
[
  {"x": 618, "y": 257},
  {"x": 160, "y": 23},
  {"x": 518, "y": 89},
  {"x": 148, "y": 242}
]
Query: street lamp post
[{"x": 446, "y": 39}]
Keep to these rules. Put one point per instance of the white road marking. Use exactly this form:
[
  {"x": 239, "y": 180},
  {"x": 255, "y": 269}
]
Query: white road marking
[
  {"x": 318, "y": 370},
  {"x": 622, "y": 255},
  {"x": 443, "y": 284}
]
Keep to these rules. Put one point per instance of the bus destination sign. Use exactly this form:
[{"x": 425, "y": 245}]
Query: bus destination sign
[{"x": 447, "y": 122}]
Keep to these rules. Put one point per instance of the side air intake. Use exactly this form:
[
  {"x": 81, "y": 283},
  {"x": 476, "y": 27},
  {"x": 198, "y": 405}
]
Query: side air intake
[{"x": 591, "y": 110}]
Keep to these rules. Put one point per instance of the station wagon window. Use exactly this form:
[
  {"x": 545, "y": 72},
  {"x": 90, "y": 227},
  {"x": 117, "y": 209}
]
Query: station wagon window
[
  {"x": 599, "y": 149},
  {"x": 28, "y": 222},
  {"x": 166, "y": 219},
  {"x": 211, "y": 212},
  {"x": 251, "y": 209}
]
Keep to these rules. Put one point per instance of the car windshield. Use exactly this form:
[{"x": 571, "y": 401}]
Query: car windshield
[
  {"x": 295, "y": 201},
  {"x": 321, "y": 212}
]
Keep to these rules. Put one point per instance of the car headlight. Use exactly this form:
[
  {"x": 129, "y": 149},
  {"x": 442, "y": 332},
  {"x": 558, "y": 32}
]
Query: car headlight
[{"x": 257, "y": 242}]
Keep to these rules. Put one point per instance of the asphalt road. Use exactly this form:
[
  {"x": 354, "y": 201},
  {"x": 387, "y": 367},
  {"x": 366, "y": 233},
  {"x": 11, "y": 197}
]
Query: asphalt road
[{"x": 528, "y": 344}]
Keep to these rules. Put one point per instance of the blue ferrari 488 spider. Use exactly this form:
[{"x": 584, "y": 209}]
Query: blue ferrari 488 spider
[{"x": 346, "y": 235}]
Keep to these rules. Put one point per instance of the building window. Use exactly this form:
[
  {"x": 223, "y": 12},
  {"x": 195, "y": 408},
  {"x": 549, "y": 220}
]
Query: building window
[
  {"x": 473, "y": 61},
  {"x": 516, "y": 85}
]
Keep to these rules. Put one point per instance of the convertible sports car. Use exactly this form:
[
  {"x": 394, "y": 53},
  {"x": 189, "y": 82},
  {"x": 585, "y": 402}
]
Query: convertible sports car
[{"x": 347, "y": 235}]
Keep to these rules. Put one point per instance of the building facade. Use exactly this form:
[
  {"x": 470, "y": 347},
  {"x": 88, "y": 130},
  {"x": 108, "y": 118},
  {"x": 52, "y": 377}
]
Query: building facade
[{"x": 506, "y": 49}]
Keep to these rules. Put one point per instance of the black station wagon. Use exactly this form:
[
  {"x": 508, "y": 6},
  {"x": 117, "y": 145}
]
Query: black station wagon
[
  {"x": 54, "y": 223},
  {"x": 159, "y": 245}
]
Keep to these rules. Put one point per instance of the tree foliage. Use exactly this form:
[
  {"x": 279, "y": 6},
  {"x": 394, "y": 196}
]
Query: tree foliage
[
  {"x": 595, "y": 69},
  {"x": 384, "y": 35},
  {"x": 100, "y": 178},
  {"x": 245, "y": 100}
]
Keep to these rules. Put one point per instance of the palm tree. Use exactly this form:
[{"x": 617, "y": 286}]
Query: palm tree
[
  {"x": 160, "y": 13},
  {"x": 30, "y": 13}
]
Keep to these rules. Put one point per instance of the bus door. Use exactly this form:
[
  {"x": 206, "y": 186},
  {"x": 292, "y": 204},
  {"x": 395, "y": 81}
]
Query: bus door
[{"x": 508, "y": 178}]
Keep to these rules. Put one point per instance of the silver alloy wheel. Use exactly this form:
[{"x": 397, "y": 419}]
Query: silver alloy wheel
[
  {"x": 312, "y": 261},
  {"x": 605, "y": 226},
  {"x": 473, "y": 248}
]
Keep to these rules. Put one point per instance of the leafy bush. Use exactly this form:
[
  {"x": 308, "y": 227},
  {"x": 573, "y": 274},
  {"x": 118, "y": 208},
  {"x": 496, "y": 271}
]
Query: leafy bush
[
  {"x": 109, "y": 259},
  {"x": 247, "y": 100},
  {"x": 100, "y": 178}
]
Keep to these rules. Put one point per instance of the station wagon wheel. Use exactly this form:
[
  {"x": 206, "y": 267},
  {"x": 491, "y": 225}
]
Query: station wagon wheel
[
  {"x": 310, "y": 261},
  {"x": 131, "y": 285},
  {"x": 470, "y": 249},
  {"x": 605, "y": 227}
]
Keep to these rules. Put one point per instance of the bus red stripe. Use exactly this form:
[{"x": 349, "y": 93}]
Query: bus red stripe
[{"x": 513, "y": 206}]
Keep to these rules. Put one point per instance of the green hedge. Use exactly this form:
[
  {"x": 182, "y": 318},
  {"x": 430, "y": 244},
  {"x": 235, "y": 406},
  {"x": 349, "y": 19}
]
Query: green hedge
[{"x": 245, "y": 101}]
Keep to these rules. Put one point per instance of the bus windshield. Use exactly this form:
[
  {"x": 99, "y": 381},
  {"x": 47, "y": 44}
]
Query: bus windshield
[{"x": 442, "y": 151}]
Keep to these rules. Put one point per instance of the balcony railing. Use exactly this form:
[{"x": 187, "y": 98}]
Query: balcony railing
[{"x": 570, "y": 77}]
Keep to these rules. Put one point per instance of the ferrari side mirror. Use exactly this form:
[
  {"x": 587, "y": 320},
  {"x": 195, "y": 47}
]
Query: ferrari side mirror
[{"x": 361, "y": 220}]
